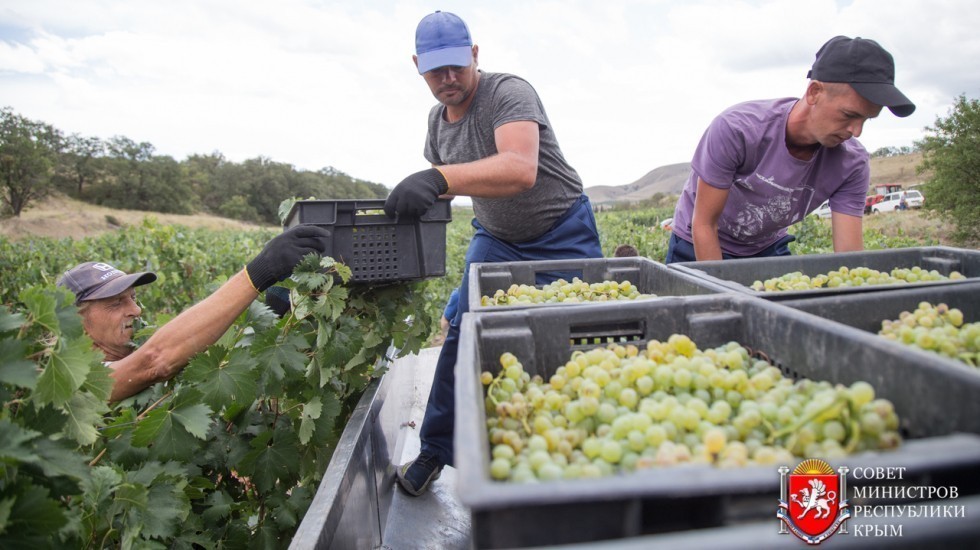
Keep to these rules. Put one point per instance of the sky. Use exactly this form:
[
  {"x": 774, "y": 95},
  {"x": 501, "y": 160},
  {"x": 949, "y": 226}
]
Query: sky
[{"x": 628, "y": 85}]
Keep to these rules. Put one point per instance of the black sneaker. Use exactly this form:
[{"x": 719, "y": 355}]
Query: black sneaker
[{"x": 416, "y": 476}]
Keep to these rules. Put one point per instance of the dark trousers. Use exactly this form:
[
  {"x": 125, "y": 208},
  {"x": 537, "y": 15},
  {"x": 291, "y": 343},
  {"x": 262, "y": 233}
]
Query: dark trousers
[
  {"x": 574, "y": 235},
  {"x": 679, "y": 250}
]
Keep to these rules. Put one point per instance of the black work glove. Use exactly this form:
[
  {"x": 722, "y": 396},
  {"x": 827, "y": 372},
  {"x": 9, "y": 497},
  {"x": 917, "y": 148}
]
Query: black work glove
[
  {"x": 416, "y": 193},
  {"x": 282, "y": 253}
]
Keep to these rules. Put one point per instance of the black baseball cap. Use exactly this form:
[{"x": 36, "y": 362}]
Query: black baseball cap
[
  {"x": 97, "y": 280},
  {"x": 866, "y": 66}
]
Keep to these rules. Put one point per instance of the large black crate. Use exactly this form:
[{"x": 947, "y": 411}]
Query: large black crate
[
  {"x": 939, "y": 407},
  {"x": 648, "y": 276},
  {"x": 738, "y": 275},
  {"x": 867, "y": 311},
  {"x": 377, "y": 248}
]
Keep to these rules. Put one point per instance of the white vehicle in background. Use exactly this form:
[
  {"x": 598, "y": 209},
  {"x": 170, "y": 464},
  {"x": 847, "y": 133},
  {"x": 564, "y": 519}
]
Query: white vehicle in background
[
  {"x": 822, "y": 211},
  {"x": 893, "y": 201}
]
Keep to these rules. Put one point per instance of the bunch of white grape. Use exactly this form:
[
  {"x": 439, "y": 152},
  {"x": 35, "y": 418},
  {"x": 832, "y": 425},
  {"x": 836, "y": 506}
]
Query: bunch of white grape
[
  {"x": 622, "y": 408},
  {"x": 939, "y": 329},
  {"x": 562, "y": 291},
  {"x": 856, "y": 276}
]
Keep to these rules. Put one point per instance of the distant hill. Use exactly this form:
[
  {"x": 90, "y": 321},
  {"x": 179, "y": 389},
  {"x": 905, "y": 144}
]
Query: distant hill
[{"x": 670, "y": 179}]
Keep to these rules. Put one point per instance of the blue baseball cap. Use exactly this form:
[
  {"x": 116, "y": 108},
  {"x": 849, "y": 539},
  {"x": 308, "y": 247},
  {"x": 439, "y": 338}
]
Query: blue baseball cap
[{"x": 442, "y": 39}]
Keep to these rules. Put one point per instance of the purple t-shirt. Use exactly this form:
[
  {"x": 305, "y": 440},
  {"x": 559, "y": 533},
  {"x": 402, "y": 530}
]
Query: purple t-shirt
[{"x": 744, "y": 151}]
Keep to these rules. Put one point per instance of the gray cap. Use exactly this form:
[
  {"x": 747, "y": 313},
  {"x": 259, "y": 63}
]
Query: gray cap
[{"x": 97, "y": 280}]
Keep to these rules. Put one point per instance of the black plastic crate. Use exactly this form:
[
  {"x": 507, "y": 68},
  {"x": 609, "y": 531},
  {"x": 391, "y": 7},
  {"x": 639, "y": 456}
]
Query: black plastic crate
[
  {"x": 939, "y": 408},
  {"x": 867, "y": 311},
  {"x": 648, "y": 276},
  {"x": 376, "y": 248},
  {"x": 738, "y": 275}
]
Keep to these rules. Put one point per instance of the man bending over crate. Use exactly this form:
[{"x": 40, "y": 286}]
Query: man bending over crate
[
  {"x": 763, "y": 165},
  {"x": 106, "y": 300},
  {"x": 490, "y": 139}
]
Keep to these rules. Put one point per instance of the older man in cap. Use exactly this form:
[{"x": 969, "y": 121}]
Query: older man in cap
[
  {"x": 490, "y": 139},
  {"x": 763, "y": 165},
  {"x": 106, "y": 299}
]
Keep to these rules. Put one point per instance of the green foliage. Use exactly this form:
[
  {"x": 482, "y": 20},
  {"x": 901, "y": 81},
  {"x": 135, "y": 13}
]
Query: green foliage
[
  {"x": 186, "y": 261},
  {"x": 814, "y": 236},
  {"x": 640, "y": 228},
  {"x": 122, "y": 173},
  {"x": 227, "y": 454},
  {"x": 952, "y": 153},
  {"x": 28, "y": 151}
]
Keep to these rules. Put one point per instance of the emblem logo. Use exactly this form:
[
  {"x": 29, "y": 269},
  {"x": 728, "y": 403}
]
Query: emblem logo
[{"x": 813, "y": 503}]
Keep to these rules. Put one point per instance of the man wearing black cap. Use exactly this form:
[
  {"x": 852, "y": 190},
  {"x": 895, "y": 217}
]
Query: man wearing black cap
[
  {"x": 490, "y": 139},
  {"x": 106, "y": 299},
  {"x": 762, "y": 166}
]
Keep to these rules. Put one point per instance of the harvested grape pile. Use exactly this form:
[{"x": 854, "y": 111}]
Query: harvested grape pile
[
  {"x": 939, "y": 329},
  {"x": 857, "y": 276},
  {"x": 619, "y": 408},
  {"x": 562, "y": 291}
]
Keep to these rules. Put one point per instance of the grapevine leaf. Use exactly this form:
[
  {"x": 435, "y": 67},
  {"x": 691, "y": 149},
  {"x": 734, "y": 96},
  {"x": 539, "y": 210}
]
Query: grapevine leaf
[
  {"x": 65, "y": 371},
  {"x": 84, "y": 412},
  {"x": 301, "y": 304},
  {"x": 41, "y": 306},
  {"x": 331, "y": 305},
  {"x": 14, "y": 368},
  {"x": 10, "y": 321},
  {"x": 169, "y": 507},
  {"x": 222, "y": 377},
  {"x": 99, "y": 486},
  {"x": 99, "y": 382},
  {"x": 311, "y": 411},
  {"x": 196, "y": 419},
  {"x": 12, "y": 442},
  {"x": 169, "y": 439},
  {"x": 60, "y": 458},
  {"x": 276, "y": 354},
  {"x": 220, "y": 506},
  {"x": 34, "y": 513},
  {"x": 344, "y": 272},
  {"x": 272, "y": 459},
  {"x": 285, "y": 206},
  {"x": 6, "y": 505}
]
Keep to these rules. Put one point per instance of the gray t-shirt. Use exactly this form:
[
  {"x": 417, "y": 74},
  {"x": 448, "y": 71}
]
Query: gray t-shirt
[{"x": 502, "y": 98}]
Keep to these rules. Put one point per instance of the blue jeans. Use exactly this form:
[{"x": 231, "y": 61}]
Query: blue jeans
[
  {"x": 574, "y": 235},
  {"x": 679, "y": 250}
]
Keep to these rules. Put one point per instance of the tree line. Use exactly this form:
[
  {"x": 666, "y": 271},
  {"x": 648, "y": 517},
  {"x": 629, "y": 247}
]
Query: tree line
[{"x": 37, "y": 158}]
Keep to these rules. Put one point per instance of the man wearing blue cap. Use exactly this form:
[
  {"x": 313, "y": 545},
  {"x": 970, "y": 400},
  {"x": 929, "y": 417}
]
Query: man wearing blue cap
[
  {"x": 490, "y": 139},
  {"x": 762, "y": 166}
]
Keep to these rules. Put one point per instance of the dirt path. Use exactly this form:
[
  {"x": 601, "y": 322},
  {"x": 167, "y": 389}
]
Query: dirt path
[{"x": 60, "y": 216}]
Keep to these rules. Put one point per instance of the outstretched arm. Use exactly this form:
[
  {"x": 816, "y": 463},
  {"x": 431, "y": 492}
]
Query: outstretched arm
[{"x": 172, "y": 346}]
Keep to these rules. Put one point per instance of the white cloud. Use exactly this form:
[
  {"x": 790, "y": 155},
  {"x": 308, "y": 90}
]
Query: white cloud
[{"x": 628, "y": 85}]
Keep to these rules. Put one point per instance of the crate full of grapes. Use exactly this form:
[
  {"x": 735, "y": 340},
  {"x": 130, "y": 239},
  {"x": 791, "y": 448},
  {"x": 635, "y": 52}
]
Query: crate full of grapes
[
  {"x": 514, "y": 285},
  {"x": 807, "y": 276},
  {"x": 607, "y": 421},
  {"x": 940, "y": 321}
]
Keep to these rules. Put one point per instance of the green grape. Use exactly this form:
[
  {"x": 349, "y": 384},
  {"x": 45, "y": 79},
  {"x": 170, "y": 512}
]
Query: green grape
[
  {"x": 562, "y": 291},
  {"x": 620, "y": 408},
  {"x": 858, "y": 276},
  {"x": 939, "y": 329}
]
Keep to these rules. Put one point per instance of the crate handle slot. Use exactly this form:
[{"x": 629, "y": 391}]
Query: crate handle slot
[{"x": 621, "y": 332}]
